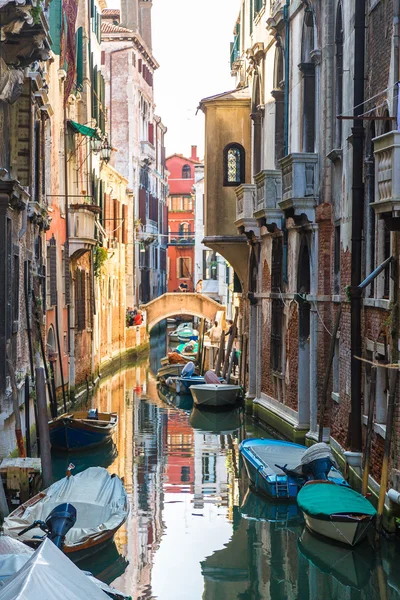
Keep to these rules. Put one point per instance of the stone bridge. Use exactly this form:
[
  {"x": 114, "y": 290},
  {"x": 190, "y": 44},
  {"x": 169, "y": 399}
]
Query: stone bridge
[{"x": 171, "y": 305}]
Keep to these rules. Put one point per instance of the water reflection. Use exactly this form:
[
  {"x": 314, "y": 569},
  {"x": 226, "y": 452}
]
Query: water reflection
[{"x": 195, "y": 531}]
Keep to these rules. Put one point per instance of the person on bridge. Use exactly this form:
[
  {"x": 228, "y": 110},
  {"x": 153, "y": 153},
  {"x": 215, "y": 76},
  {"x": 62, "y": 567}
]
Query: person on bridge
[
  {"x": 199, "y": 286},
  {"x": 215, "y": 333}
]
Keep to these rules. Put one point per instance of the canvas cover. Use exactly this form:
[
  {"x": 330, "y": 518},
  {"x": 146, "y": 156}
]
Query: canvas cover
[
  {"x": 274, "y": 452},
  {"x": 188, "y": 369},
  {"x": 50, "y": 575},
  {"x": 100, "y": 500},
  {"x": 317, "y": 451},
  {"x": 325, "y": 499}
]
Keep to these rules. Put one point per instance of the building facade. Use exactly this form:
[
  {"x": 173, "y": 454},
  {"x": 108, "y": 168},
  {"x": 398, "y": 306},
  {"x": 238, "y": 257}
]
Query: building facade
[
  {"x": 181, "y": 221},
  {"x": 299, "y": 200}
]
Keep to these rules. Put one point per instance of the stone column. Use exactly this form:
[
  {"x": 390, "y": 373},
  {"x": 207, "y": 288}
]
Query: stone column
[{"x": 251, "y": 392}]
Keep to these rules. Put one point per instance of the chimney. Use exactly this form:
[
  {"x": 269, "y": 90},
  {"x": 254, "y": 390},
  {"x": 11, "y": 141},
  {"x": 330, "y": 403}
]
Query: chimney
[
  {"x": 129, "y": 14},
  {"x": 145, "y": 21},
  {"x": 193, "y": 155}
]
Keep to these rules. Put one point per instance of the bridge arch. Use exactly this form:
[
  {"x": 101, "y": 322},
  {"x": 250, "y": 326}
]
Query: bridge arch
[{"x": 173, "y": 304}]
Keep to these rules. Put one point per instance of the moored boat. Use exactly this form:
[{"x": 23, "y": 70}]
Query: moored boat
[
  {"x": 279, "y": 468},
  {"x": 216, "y": 395},
  {"x": 335, "y": 512},
  {"x": 187, "y": 334},
  {"x": 101, "y": 505},
  {"x": 82, "y": 429},
  {"x": 182, "y": 327},
  {"x": 169, "y": 371}
]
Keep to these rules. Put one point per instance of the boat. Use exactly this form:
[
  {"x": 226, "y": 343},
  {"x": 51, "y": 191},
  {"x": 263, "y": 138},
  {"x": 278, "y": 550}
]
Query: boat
[
  {"x": 48, "y": 574},
  {"x": 187, "y": 348},
  {"x": 182, "y": 385},
  {"x": 101, "y": 504},
  {"x": 188, "y": 334},
  {"x": 352, "y": 567},
  {"x": 274, "y": 467},
  {"x": 169, "y": 371},
  {"x": 336, "y": 512},
  {"x": 82, "y": 430},
  {"x": 14, "y": 555},
  {"x": 216, "y": 394},
  {"x": 225, "y": 422},
  {"x": 182, "y": 327}
]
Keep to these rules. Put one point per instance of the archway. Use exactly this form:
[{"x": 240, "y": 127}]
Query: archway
[{"x": 173, "y": 304}]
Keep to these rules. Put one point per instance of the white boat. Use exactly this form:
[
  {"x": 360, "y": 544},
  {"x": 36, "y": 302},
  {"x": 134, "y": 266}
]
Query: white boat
[
  {"x": 214, "y": 394},
  {"x": 336, "y": 512},
  {"x": 49, "y": 575},
  {"x": 14, "y": 555},
  {"x": 101, "y": 504}
]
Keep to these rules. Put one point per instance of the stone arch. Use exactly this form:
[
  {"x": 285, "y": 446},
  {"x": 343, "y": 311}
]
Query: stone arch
[{"x": 172, "y": 304}]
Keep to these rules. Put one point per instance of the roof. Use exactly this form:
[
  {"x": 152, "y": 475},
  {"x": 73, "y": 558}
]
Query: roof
[
  {"x": 186, "y": 158},
  {"x": 111, "y": 28},
  {"x": 111, "y": 13},
  {"x": 238, "y": 94}
]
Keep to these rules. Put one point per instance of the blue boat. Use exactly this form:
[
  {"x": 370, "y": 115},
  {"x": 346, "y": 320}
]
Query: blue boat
[
  {"x": 82, "y": 430},
  {"x": 273, "y": 467}
]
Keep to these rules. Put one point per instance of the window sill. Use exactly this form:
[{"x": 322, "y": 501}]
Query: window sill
[
  {"x": 379, "y": 428},
  {"x": 377, "y": 303},
  {"x": 336, "y": 298},
  {"x": 335, "y": 397}
]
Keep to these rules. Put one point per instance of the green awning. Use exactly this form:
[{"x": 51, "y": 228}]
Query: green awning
[{"x": 83, "y": 130}]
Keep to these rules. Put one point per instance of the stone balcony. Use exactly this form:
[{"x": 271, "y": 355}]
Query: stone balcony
[
  {"x": 299, "y": 184},
  {"x": 268, "y": 195},
  {"x": 275, "y": 14},
  {"x": 147, "y": 151},
  {"x": 387, "y": 181},
  {"x": 82, "y": 218},
  {"x": 245, "y": 202}
]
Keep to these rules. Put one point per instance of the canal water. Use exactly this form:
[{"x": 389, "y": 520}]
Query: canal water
[{"x": 195, "y": 531}]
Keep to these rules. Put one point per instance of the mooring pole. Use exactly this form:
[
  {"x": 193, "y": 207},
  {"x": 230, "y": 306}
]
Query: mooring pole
[{"x": 43, "y": 427}]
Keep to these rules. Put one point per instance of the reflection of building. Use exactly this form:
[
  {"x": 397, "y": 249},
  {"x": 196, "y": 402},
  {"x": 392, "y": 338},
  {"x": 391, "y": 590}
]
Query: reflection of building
[
  {"x": 212, "y": 478},
  {"x": 180, "y": 467},
  {"x": 181, "y": 223}
]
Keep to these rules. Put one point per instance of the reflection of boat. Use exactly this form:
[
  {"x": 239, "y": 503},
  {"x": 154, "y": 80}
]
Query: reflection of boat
[
  {"x": 215, "y": 394},
  {"x": 49, "y": 575},
  {"x": 81, "y": 430},
  {"x": 102, "y": 456},
  {"x": 351, "y": 566},
  {"x": 336, "y": 512},
  {"x": 275, "y": 467},
  {"x": 181, "y": 401},
  {"x": 14, "y": 555},
  {"x": 220, "y": 422},
  {"x": 101, "y": 503},
  {"x": 108, "y": 565},
  {"x": 259, "y": 509}
]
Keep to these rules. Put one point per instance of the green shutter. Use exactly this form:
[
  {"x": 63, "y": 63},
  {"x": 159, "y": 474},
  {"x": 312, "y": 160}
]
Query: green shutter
[
  {"x": 79, "y": 59},
  {"x": 55, "y": 25}
]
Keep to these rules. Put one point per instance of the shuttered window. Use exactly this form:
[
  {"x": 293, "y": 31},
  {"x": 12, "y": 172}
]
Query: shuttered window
[
  {"x": 276, "y": 335},
  {"x": 79, "y": 58},
  {"x": 80, "y": 299}
]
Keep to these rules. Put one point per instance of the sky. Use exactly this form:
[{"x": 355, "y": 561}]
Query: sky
[{"x": 191, "y": 43}]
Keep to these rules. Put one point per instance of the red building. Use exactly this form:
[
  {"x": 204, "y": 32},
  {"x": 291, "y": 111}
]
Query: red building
[{"x": 181, "y": 221}]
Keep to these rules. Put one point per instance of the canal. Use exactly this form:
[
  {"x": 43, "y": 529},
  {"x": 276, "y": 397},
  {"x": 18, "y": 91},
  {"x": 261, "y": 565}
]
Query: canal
[{"x": 195, "y": 531}]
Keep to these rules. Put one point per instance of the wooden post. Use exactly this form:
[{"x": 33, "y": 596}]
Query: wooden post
[
  {"x": 230, "y": 343},
  {"x": 43, "y": 427},
  {"x": 17, "y": 414},
  {"x": 27, "y": 418},
  {"x": 220, "y": 354},
  {"x": 243, "y": 363},
  {"x": 328, "y": 373},
  {"x": 370, "y": 423},
  {"x": 228, "y": 376},
  {"x": 200, "y": 343}
]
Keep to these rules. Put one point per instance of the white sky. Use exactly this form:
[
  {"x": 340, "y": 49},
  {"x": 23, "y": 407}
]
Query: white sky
[{"x": 191, "y": 43}]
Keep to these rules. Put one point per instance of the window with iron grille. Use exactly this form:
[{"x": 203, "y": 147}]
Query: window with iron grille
[
  {"x": 234, "y": 165},
  {"x": 276, "y": 335},
  {"x": 184, "y": 267}
]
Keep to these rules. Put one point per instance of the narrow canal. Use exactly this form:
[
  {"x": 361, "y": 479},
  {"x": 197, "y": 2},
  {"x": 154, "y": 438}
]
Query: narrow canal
[{"x": 195, "y": 531}]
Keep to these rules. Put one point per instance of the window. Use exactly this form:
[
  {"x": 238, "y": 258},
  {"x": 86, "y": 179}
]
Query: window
[
  {"x": 184, "y": 267},
  {"x": 186, "y": 172},
  {"x": 184, "y": 229},
  {"x": 276, "y": 335},
  {"x": 80, "y": 299},
  {"x": 278, "y": 95},
  {"x": 339, "y": 75},
  {"x": 210, "y": 265},
  {"x": 208, "y": 468},
  {"x": 307, "y": 67},
  {"x": 381, "y": 386},
  {"x": 234, "y": 165},
  {"x": 336, "y": 259},
  {"x": 187, "y": 203},
  {"x": 176, "y": 203},
  {"x": 276, "y": 267}
]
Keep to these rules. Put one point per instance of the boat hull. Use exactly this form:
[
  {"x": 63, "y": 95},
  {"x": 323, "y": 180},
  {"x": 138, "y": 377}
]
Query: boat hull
[
  {"x": 214, "y": 395},
  {"x": 68, "y": 434},
  {"x": 346, "y": 530},
  {"x": 169, "y": 371}
]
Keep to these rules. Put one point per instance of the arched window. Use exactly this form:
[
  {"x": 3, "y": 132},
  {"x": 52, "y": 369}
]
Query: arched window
[
  {"x": 307, "y": 68},
  {"x": 186, "y": 172},
  {"x": 339, "y": 75},
  {"x": 278, "y": 95},
  {"x": 234, "y": 165}
]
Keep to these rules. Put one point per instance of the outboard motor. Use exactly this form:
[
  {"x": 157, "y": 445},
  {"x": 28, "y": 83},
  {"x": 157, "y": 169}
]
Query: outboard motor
[
  {"x": 317, "y": 461},
  {"x": 93, "y": 413},
  {"x": 61, "y": 519}
]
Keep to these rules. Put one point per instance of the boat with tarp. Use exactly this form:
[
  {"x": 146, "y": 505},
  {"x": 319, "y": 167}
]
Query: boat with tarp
[
  {"x": 82, "y": 430},
  {"x": 101, "y": 504}
]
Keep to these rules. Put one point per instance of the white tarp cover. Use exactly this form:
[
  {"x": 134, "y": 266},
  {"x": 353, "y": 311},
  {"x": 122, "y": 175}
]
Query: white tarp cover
[
  {"x": 100, "y": 500},
  {"x": 320, "y": 450},
  {"x": 50, "y": 575}
]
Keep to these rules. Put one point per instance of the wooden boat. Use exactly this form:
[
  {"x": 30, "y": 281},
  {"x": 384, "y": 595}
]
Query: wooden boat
[
  {"x": 169, "y": 371},
  {"x": 101, "y": 504},
  {"x": 352, "y": 567},
  {"x": 83, "y": 429},
  {"x": 216, "y": 395},
  {"x": 14, "y": 555},
  {"x": 261, "y": 459},
  {"x": 48, "y": 574},
  {"x": 182, "y": 327},
  {"x": 335, "y": 512}
]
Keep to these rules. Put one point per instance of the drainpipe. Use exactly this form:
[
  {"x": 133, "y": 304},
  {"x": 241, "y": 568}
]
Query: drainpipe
[
  {"x": 286, "y": 92},
  {"x": 356, "y": 226}
]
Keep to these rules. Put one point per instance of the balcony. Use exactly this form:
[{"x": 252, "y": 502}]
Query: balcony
[
  {"x": 82, "y": 218},
  {"x": 299, "y": 185},
  {"x": 275, "y": 13},
  {"x": 387, "y": 182},
  {"x": 268, "y": 195},
  {"x": 245, "y": 203},
  {"x": 147, "y": 151},
  {"x": 148, "y": 231}
]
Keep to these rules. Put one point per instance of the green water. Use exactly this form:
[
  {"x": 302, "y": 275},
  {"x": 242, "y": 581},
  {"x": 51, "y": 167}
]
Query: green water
[{"x": 195, "y": 531}]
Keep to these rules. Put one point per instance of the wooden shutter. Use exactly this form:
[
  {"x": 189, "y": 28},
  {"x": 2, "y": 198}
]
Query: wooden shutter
[
  {"x": 124, "y": 224},
  {"x": 53, "y": 272},
  {"x": 67, "y": 275}
]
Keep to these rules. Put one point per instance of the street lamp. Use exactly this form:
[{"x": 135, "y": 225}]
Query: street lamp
[
  {"x": 97, "y": 144},
  {"x": 106, "y": 151}
]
